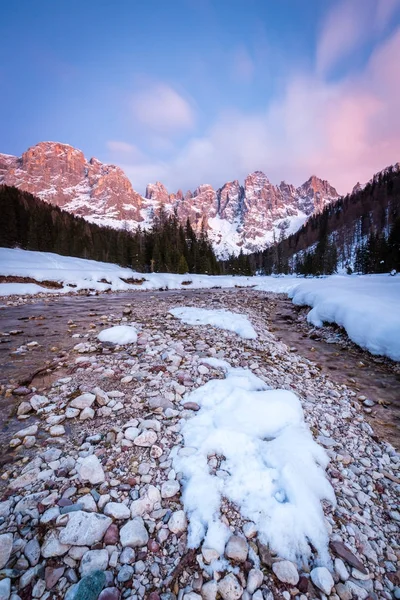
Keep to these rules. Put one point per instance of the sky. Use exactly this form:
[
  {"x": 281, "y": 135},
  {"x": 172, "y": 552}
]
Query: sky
[{"x": 206, "y": 91}]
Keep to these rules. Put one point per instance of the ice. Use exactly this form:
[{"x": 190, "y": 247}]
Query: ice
[
  {"x": 223, "y": 319},
  {"x": 120, "y": 334},
  {"x": 272, "y": 469}
]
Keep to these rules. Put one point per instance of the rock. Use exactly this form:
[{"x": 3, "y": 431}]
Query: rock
[
  {"x": 5, "y": 508},
  {"x": 83, "y": 401},
  {"x": 170, "y": 488},
  {"x": 92, "y": 561},
  {"x": 127, "y": 556},
  {"x": 341, "y": 570},
  {"x": 178, "y": 522},
  {"x": 38, "y": 402},
  {"x": 254, "y": 580},
  {"x": 236, "y": 549},
  {"x": 112, "y": 535},
  {"x": 209, "y": 590},
  {"x": 322, "y": 579},
  {"x": 191, "y": 596},
  {"x": 24, "y": 408},
  {"x": 145, "y": 504},
  {"x": 117, "y": 510},
  {"x": 52, "y": 575},
  {"x": 87, "y": 413},
  {"x": 286, "y": 571},
  {"x": 90, "y": 469},
  {"x": 57, "y": 430},
  {"x": 90, "y": 586},
  {"x": 191, "y": 406},
  {"x": 229, "y": 588},
  {"x": 24, "y": 480},
  {"x": 5, "y": 588},
  {"x": 110, "y": 593},
  {"x": 146, "y": 439},
  {"x": 125, "y": 573},
  {"x": 355, "y": 590},
  {"x": 131, "y": 433},
  {"x": 52, "y": 546},
  {"x": 6, "y": 543},
  {"x": 343, "y": 552},
  {"x": 71, "y": 413},
  {"x": 84, "y": 529},
  {"x": 31, "y": 430},
  {"x": 209, "y": 555},
  {"x": 32, "y": 551},
  {"x": 134, "y": 534}
]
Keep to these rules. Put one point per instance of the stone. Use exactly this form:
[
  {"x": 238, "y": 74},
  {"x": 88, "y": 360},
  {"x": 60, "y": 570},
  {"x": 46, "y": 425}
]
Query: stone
[
  {"x": 5, "y": 508},
  {"x": 57, "y": 430},
  {"x": 178, "y": 522},
  {"x": 341, "y": 570},
  {"x": 125, "y": 573},
  {"x": 52, "y": 546},
  {"x": 286, "y": 571},
  {"x": 236, "y": 549},
  {"x": 117, "y": 510},
  {"x": 229, "y": 588},
  {"x": 145, "y": 504},
  {"x": 32, "y": 551},
  {"x": 322, "y": 579},
  {"x": 90, "y": 469},
  {"x": 191, "y": 596},
  {"x": 254, "y": 580},
  {"x": 90, "y": 586},
  {"x": 131, "y": 433},
  {"x": 92, "y": 561},
  {"x": 6, "y": 543},
  {"x": 38, "y": 402},
  {"x": 5, "y": 588},
  {"x": 31, "y": 430},
  {"x": 112, "y": 535},
  {"x": 127, "y": 556},
  {"x": 71, "y": 413},
  {"x": 110, "y": 593},
  {"x": 83, "y": 401},
  {"x": 52, "y": 575},
  {"x": 170, "y": 488},
  {"x": 86, "y": 414},
  {"x": 209, "y": 555},
  {"x": 84, "y": 529},
  {"x": 343, "y": 552},
  {"x": 209, "y": 590},
  {"x": 134, "y": 534},
  {"x": 146, "y": 439},
  {"x": 24, "y": 408}
]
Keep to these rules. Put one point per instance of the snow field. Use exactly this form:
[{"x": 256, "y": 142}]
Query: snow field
[{"x": 272, "y": 470}]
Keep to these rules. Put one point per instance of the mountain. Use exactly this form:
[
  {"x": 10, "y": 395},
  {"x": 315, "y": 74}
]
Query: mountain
[{"x": 247, "y": 217}]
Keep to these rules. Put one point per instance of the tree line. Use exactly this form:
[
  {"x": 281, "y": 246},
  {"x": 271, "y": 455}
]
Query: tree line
[{"x": 31, "y": 224}]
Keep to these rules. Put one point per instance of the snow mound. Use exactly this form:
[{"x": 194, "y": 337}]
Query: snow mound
[
  {"x": 223, "y": 319},
  {"x": 272, "y": 470},
  {"x": 366, "y": 307},
  {"x": 120, "y": 334}
]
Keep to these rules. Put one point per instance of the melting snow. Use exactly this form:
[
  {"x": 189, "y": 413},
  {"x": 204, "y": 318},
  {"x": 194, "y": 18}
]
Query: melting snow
[
  {"x": 120, "y": 334},
  {"x": 223, "y": 319},
  {"x": 272, "y": 470}
]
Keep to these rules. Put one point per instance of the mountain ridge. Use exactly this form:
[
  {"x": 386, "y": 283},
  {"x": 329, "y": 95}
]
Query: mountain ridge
[{"x": 236, "y": 217}]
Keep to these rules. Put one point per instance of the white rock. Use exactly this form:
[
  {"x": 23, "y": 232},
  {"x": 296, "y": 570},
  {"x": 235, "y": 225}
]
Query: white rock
[
  {"x": 131, "y": 433},
  {"x": 341, "y": 570},
  {"x": 145, "y": 504},
  {"x": 24, "y": 408},
  {"x": 5, "y": 588},
  {"x": 32, "y": 552},
  {"x": 209, "y": 590},
  {"x": 322, "y": 579},
  {"x": 134, "y": 534},
  {"x": 286, "y": 571},
  {"x": 5, "y": 508},
  {"x": 191, "y": 596},
  {"x": 236, "y": 548},
  {"x": 170, "y": 489},
  {"x": 117, "y": 510},
  {"x": 52, "y": 546},
  {"x": 209, "y": 555},
  {"x": 84, "y": 529},
  {"x": 87, "y": 413},
  {"x": 146, "y": 439},
  {"x": 93, "y": 560},
  {"x": 229, "y": 588},
  {"x": 25, "y": 479},
  {"x": 88, "y": 503},
  {"x": 6, "y": 542},
  {"x": 177, "y": 522},
  {"x": 57, "y": 430},
  {"x": 83, "y": 401},
  {"x": 32, "y": 430},
  {"x": 37, "y": 401},
  {"x": 90, "y": 469},
  {"x": 254, "y": 580},
  {"x": 250, "y": 530},
  {"x": 71, "y": 413}
]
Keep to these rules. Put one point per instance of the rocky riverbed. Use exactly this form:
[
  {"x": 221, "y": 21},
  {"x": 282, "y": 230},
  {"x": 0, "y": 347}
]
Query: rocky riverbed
[{"x": 91, "y": 504}]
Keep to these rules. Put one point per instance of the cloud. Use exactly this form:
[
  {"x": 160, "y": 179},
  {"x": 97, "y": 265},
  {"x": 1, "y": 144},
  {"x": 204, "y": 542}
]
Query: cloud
[
  {"x": 341, "y": 131},
  {"x": 161, "y": 109}
]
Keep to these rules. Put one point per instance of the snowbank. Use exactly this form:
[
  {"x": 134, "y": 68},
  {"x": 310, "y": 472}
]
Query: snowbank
[
  {"x": 367, "y": 307},
  {"x": 120, "y": 334},
  {"x": 223, "y": 319},
  {"x": 272, "y": 470}
]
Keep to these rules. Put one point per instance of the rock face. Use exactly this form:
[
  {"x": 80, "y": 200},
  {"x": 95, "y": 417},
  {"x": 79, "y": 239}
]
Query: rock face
[
  {"x": 61, "y": 175},
  {"x": 247, "y": 217}
]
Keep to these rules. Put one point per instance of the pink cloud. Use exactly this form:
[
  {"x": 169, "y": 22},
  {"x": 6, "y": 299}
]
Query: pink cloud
[{"x": 161, "y": 109}]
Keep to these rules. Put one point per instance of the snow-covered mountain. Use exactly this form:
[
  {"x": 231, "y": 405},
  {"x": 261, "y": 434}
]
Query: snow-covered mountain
[{"x": 247, "y": 217}]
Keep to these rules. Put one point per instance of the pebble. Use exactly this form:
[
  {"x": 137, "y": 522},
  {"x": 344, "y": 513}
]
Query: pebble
[
  {"x": 169, "y": 489},
  {"x": 84, "y": 529},
  {"x": 90, "y": 469},
  {"x": 322, "y": 579},
  {"x": 6, "y": 543},
  {"x": 134, "y": 533},
  {"x": 229, "y": 588},
  {"x": 236, "y": 549},
  {"x": 178, "y": 522},
  {"x": 286, "y": 571}
]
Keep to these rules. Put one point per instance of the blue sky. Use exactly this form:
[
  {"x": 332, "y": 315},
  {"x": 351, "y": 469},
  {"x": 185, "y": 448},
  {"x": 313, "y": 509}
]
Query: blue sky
[{"x": 204, "y": 91}]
